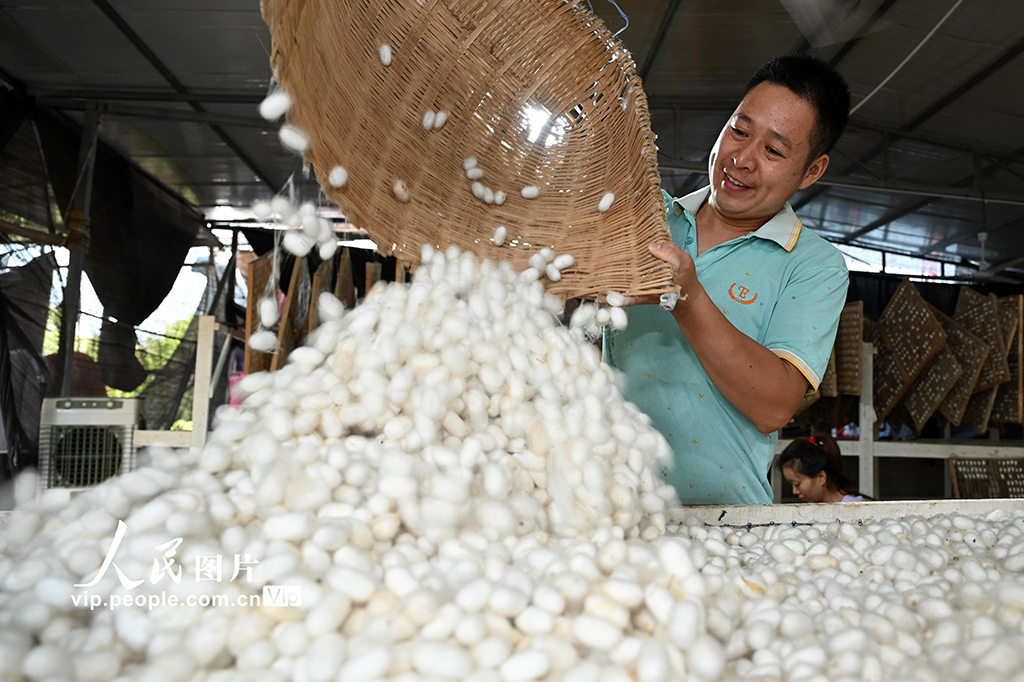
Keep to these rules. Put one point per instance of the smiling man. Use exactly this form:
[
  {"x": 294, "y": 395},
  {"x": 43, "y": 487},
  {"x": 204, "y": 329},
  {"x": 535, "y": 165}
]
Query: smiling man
[{"x": 760, "y": 297}]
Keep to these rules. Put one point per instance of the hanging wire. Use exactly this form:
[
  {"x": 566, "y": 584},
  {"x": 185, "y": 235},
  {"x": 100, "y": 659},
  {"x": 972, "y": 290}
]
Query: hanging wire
[
  {"x": 623, "y": 15},
  {"x": 907, "y": 59}
]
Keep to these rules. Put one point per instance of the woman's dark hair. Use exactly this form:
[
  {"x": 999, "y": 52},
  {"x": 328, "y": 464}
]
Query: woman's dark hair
[
  {"x": 810, "y": 456},
  {"x": 818, "y": 83}
]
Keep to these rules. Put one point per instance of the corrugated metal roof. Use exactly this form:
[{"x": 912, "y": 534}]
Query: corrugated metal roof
[{"x": 953, "y": 114}]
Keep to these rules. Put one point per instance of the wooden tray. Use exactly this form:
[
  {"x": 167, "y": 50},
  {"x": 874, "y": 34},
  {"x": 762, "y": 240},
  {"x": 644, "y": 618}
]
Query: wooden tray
[
  {"x": 970, "y": 353},
  {"x": 912, "y": 332},
  {"x": 979, "y": 409},
  {"x": 931, "y": 387},
  {"x": 847, "y": 348},
  {"x": 888, "y": 383},
  {"x": 987, "y": 477},
  {"x": 980, "y": 314},
  {"x": 1009, "y": 406},
  {"x": 829, "y": 387}
]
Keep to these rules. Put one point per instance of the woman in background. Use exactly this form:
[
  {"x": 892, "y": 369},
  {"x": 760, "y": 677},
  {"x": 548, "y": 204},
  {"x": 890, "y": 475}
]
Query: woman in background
[{"x": 814, "y": 467}]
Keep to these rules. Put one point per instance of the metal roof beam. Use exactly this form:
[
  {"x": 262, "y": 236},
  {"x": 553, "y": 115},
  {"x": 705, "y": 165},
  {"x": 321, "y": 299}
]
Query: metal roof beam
[
  {"x": 220, "y": 97},
  {"x": 659, "y": 38},
  {"x": 976, "y": 78},
  {"x": 892, "y": 215},
  {"x": 136, "y": 40},
  {"x": 663, "y": 103},
  {"x": 157, "y": 113},
  {"x": 956, "y": 239},
  {"x": 861, "y": 32}
]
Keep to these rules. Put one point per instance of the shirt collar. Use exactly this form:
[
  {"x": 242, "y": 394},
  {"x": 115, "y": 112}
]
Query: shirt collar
[{"x": 783, "y": 229}]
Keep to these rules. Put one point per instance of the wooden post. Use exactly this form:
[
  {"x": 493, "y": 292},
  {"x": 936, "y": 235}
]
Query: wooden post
[
  {"x": 201, "y": 383},
  {"x": 78, "y": 245},
  {"x": 372, "y": 276},
  {"x": 867, "y": 422},
  {"x": 400, "y": 271}
]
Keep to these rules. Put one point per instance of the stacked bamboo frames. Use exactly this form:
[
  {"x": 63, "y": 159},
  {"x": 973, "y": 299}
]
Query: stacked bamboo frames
[{"x": 493, "y": 64}]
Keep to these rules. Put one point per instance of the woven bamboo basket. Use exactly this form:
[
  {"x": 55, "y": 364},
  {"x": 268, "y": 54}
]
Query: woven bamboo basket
[{"x": 537, "y": 90}]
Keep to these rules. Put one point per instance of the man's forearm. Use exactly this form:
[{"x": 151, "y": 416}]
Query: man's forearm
[{"x": 765, "y": 388}]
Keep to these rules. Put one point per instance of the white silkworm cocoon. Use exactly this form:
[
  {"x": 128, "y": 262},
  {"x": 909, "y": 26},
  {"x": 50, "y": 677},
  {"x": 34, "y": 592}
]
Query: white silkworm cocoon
[
  {"x": 530, "y": 192},
  {"x": 547, "y": 253},
  {"x": 290, "y": 526},
  {"x": 262, "y": 210},
  {"x": 615, "y": 299},
  {"x": 401, "y": 190},
  {"x": 530, "y": 664},
  {"x": 269, "y": 314},
  {"x": 442, "y": 660},
  {"x": 563, "y": 261},
  {"x": 428, "y": 119},
  {"x": 293, "y": 137},
  {"x": 553, "y": 273},
  {"x": 685, "y": 623},
  {"x": 469, "y": 162},
  {"x": 602, "y": 317},
  {"x": 297, "y": 243},
  {"x": 370, "y": 664},
  {"x": 478, "y": 190},
  {"x": 606, "y": 202},
  {"x": 488, "y": 196},
  {"x": 384, "y": 52},
  {"x": 328, "y": 249},
  {"x": 491, "y": 652},
  {"x": 596, "y": 633},
  {"x": 263, "y": 341},
  {"x": 499, "y": 197},
  {"x": 618, "y": 318},
  {"x": 499, "y": 235},
  {"x": 337, "y": 177},
  {"x": 275, "y": 105},
  {"x": 475, "y": 173},
  {"x": 537, "y": 261},
  {"x": 440, "y": 119}
]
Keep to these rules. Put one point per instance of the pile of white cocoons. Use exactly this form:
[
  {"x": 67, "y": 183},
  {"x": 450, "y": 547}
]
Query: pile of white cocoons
[{"x": 454, "y": 484}]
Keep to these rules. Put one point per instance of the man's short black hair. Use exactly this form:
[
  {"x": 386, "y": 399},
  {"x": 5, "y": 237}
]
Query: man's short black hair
[{"x": 819, "y": 84}]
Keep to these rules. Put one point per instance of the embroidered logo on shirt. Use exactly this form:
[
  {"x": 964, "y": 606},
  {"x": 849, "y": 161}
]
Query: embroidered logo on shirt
[{"x": 741, "y": 294}]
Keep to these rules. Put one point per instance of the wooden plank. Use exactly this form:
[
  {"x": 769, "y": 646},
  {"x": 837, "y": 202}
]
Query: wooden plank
[
  {"x": 289, "y": 333},
  {"x": 373, "y": 272},
  {"x": 1009, "y": 405},
  {"x": 260, "y": 272},
  {"x": 345, "y": 288},
  {"x": 201, "y": 381},
  {"x": 847, "y": 348},
  {"x": 172, "y": 439},
  {"x": 910, "y": 329},
  {"x": 321, "y": 283},
  {"x": 980, "y": 315}
]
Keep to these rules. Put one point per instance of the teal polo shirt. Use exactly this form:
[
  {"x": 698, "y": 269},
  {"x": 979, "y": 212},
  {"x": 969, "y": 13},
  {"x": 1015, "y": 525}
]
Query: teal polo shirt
[{"x": 782, "y": 286}]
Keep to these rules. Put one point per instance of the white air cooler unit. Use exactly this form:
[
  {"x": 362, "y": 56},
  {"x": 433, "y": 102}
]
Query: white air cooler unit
[{"x": 84, "y": 441}]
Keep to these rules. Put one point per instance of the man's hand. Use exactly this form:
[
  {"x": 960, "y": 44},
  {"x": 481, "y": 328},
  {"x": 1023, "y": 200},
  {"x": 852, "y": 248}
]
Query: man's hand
[{"x": 684, "y": 273}]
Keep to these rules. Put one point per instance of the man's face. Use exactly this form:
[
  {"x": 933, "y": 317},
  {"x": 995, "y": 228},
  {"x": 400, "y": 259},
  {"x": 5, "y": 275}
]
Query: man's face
[{"x": 760, "y": 158}]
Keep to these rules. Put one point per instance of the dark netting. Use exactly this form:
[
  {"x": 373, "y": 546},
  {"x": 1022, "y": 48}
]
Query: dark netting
[
  {"x": 24, "y": 375},
  {"x": 24, "y": 192},
  {"x": 168, "y": 394},
  {"x": 140, "y": 233}
]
